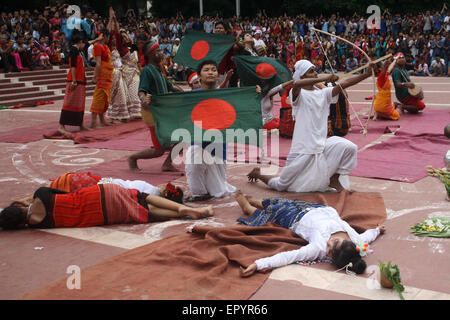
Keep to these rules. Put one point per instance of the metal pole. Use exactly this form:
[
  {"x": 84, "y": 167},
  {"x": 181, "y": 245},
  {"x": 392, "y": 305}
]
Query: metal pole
[
  {"x": 201, "y": 8},
  {"x": 238, "y": 8}
]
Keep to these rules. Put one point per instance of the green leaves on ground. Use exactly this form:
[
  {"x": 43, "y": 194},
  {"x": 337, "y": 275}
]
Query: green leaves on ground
[{"x": 392, "y": 273}]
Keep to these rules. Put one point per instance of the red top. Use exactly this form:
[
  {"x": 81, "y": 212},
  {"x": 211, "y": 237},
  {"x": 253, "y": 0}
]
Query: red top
[
  {"x": 382, "y": 78},
  {"x": 100, "y": 50},
  {"x": 76, "y": 60}
]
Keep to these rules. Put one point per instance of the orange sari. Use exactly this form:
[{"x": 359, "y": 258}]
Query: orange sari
[
  {"x": 383, "y": 102},
  {"x": 102, "y": 93}
]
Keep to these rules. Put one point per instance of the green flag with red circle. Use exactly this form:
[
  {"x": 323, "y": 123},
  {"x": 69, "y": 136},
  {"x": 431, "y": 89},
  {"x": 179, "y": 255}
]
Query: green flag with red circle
[
  {"x": 197, "y": 46},
  {"x": 232, "y": 114},
  {"x": 263, "y": 71}
]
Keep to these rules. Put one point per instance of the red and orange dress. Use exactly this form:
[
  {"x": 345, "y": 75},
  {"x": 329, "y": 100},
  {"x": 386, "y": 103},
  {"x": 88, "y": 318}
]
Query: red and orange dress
[
  {"x": 72, "y": 112},
  {"x": 383, "y": 102},
  {"x": 102, "y": 93}
]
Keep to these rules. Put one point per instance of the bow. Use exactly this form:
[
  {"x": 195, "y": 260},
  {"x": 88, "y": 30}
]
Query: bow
[{"x": 365, "y": 129}]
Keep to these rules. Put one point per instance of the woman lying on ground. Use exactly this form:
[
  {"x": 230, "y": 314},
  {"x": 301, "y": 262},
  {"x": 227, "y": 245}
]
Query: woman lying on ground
[
  {"x": 327, "y": 234},
  {"x": 101, "y": 204},
  {"x": 72, "y": 182},
  {"x": 75, "y": 181}
]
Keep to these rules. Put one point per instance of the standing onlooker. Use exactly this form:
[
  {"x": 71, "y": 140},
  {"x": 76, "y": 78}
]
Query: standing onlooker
[
  {"x": 72, "y": 112},
  {"x": 427, "y": 22}
]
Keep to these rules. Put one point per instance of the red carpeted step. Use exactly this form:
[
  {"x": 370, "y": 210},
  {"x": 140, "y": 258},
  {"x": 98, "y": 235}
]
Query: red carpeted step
[
  {"x": 6, "y": 98},
  {"x": 57, "y": 81},
  {"x": 8, "y": 91},
  {"x": 12, "y": 85},
  {"x": 34, "y": 73},
  {"x": 44, "y": 77}
]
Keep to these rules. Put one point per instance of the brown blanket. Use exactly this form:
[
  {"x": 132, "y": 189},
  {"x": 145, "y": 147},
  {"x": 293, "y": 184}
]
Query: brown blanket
[{"x": 205, "y": 264}]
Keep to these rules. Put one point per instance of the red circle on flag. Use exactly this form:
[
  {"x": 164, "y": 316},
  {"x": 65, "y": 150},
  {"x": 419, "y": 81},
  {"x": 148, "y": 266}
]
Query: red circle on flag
[
  {"x": 265, "y": 70},
  {"x": 215, "y": 114},
  {"x": 199, "y": 50}
]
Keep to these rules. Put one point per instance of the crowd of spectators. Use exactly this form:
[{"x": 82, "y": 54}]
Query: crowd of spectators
[{"x": 30, "y": 39}]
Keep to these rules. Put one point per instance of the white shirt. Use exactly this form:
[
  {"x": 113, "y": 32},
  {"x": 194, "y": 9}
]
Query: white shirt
[
  {"x": 90, "y": 49},
  {"x": 310, "y": 112},
  {"x": 435, "y": 63},
  {"x": 316, "y": 227},
  {"x": 259, "y": 42}
]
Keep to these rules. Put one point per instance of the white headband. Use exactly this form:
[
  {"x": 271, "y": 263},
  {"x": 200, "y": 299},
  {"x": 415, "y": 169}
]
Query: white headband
[
  {"x": 194, "y": 77},
  {"x": 301, "y": 67}
]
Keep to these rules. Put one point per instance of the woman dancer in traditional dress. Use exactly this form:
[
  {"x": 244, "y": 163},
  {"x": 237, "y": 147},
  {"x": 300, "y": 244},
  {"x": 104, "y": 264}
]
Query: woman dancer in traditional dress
[
  {"x": 101, "y": 204},
  {"x": 72, "y": 112},
  {"x": 125, "y": 103},
  {"x": 383, "y": 102},
  {"x": 102, "y": 79}
]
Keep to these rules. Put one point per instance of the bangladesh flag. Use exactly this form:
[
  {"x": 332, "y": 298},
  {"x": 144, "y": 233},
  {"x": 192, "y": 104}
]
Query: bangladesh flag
[
  {"x": 263, "y": 71},
  {"x": 233, "y": 115},
  {"x": 197, "y": 46}
]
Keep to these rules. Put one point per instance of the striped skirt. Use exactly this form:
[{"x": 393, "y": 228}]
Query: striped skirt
[
  {"x": 99, "y": 205},
  {"x": 122, "y": 205},
  {"x": 72, "y": 112}
]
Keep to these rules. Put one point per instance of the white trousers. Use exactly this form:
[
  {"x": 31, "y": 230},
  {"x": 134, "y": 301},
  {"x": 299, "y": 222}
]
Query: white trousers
[
  {"x": 312, "y": 172},
  {"x": 206, "y": 174}
]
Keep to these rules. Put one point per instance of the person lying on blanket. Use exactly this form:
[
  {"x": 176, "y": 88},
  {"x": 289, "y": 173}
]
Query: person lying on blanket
[
  {"x": 101, "y": 204},
  {"x": 327, "y": 234}
]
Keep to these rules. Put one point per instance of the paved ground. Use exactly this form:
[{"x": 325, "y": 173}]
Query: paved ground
[{"x": 30, "y": 259}]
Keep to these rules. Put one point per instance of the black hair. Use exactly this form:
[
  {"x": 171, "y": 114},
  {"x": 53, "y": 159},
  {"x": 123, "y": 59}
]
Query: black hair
[
  {"x": 224, "y": 24},
  {"x": 105, "y": 32},
  {"x": 189, "y": 71},
  {"x": 11, "y": 218},
  {"x": 347, "y": 253},
  {"x": 204, "y": 63},
  {"x": 76, "y": 38},
  {"x": 447, "y": 131},
  {"x": 141, "y": 37}
]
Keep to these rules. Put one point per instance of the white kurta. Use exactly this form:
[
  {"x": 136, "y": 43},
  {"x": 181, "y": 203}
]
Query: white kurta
[
  {"x": 314, "y": 158},
  {"x": 206, "y": 174},
  {"x": 316, "y": 227}
]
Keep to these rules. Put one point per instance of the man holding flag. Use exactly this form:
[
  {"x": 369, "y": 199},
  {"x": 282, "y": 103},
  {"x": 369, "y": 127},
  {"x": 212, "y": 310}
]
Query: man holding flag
[
  {"x": 206, "y": 167},
  {"x": 152, "y": 82}
]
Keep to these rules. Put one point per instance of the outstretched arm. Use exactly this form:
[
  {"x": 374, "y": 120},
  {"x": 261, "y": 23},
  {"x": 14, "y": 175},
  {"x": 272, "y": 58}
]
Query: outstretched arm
[
  {"x": 298, "y": 84},
  {"x": 351, "y": 81},
  {"x": 309, "y": 252}
]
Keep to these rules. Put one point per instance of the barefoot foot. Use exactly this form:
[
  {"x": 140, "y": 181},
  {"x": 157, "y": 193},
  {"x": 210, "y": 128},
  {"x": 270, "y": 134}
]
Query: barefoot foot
[
  {"x": 196, "y": 213},
  {"x": 132, "y": 164}
]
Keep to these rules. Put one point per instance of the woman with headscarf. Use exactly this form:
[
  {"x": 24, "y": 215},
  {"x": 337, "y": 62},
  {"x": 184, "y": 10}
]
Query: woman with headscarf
[{"x": 315, "y": 163}]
